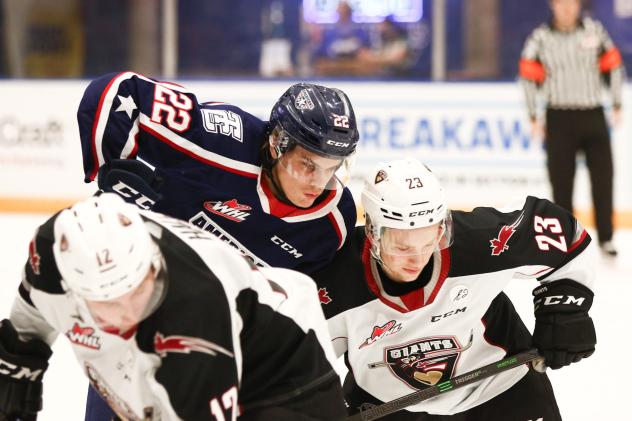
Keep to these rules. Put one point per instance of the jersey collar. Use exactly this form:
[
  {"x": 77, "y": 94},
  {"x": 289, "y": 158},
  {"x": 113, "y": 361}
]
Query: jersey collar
[
  {"x": 273, "y": 206},
  {"x": 416, "y": 299}
]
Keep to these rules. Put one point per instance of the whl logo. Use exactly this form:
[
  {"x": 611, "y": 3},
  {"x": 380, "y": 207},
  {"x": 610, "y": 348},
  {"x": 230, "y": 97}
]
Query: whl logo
[
  {"x": 230, "y": 209},
  {"x": 84, "y": 336},
  {"x": 379, "y": 332},
  {"x": 499, "y": 244}
]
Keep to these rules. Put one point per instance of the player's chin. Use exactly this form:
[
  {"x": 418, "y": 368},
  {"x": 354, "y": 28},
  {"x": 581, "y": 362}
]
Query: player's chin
[
  {"x": 407, "y": 275},
  {"x": 305, "y": 200}
]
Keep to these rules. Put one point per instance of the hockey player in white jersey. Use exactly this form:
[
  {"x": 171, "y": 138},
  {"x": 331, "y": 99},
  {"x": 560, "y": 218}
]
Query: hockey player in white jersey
[
  {"x": 168, "y": 323},
  {"x": 415, "y": 298}
]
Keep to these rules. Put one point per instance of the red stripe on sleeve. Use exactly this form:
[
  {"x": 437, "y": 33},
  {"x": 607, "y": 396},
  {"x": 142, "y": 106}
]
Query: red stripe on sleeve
[{"x": 93, "y": 174}]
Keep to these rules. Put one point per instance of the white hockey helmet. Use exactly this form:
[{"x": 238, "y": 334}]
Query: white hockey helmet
[
  {"x": 404, "y": 194},
  {"x": 102, "y": 248}
]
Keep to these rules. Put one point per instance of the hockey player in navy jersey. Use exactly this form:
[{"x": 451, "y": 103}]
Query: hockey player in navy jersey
[
  {"x": 415, "y": 298},
  {"x": 271, "y": 189},
  {"x": 168, "y": 323}
]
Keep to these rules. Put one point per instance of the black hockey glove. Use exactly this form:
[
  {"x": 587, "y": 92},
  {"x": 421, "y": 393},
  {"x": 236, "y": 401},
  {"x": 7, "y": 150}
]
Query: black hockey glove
[
  {"x": 564, "y": 332},
  {"x": 134, "y": 181},
  {"x": 22, "y": 366}
]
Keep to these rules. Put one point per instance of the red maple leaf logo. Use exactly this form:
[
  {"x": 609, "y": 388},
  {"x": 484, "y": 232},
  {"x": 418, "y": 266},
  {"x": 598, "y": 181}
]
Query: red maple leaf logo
[
  {"x": 323, "y": 296},
  {"x": 499, "y": 244}
]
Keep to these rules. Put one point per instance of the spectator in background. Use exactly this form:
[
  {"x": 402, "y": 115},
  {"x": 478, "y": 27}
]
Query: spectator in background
[
  {"x": 340, "y": 46},
  {"x": 568, "y": 60},
  {"x": 392, "y": 56}
]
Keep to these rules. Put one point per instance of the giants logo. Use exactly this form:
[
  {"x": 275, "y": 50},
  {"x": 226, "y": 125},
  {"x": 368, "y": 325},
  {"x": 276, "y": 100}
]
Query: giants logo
[
  {"x": 229, "y": 209},
  {"x": 84, "y": 336},
  {"x": 499, "y": 244},
  {"x": 379, "y": 332},
  {"x": 186, "y": 345},
  {"x": 423, "y": 362}
]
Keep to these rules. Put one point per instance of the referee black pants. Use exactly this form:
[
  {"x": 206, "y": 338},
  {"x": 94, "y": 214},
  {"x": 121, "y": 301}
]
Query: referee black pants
[{"x": 571, "y": 131}]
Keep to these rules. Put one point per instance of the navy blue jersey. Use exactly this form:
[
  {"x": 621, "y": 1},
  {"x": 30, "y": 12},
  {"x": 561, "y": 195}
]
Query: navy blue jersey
[{"x": 209, "y": 156}]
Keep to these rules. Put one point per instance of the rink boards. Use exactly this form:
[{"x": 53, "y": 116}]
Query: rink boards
[{"x": 475, "y": 136}]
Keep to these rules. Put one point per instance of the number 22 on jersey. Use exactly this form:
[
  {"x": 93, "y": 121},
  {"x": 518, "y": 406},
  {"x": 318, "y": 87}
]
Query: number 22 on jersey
[{"x": 173, "y": 106}]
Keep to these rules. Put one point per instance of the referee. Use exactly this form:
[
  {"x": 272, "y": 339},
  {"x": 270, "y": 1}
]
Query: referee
[{"x": 569, "y": 60}]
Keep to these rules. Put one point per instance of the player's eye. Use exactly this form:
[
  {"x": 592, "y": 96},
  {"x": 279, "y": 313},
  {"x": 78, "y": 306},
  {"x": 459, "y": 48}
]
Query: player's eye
[{"x": 308, "y": 165}]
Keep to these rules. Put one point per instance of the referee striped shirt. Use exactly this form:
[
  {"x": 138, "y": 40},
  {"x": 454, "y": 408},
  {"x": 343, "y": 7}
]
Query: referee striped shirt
[{"x": 570, "y": 68}]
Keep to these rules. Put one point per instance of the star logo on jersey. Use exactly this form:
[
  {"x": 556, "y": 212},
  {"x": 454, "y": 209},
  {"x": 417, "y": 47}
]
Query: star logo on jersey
[
  {"x": 380, "y": 176},
  {"x": 186, "y": 345},
  {"x": 34, "y": 257},
  {"x": 499, "y": 244},
  {"x": 323, "y": 296},
  {"x": 303, "y": 101},
  {"x": 84, "y": 336},
  {"x": 379, "y": 332},
  {"x": 230, "y": 209},
  {"x": 423, "y": 362},
  {"x": 127, "y": 104}
]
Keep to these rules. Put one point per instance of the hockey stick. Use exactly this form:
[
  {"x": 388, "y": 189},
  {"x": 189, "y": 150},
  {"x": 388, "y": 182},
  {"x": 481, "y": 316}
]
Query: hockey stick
[{"x": 464, "y": 379}]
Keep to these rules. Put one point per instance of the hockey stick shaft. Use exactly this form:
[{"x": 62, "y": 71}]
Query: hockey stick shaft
[{"x": 446, "y": 386}]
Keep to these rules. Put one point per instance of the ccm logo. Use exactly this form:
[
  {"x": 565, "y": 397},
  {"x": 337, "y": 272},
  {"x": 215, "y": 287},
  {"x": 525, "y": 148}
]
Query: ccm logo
[
  {"x": 338, "y": 144},
  {"x": 421, "y": 212},
  {"x": 560, "y": 299},
  {"x": 19, "y": 373},
  {"x": 126, "y": 191}
]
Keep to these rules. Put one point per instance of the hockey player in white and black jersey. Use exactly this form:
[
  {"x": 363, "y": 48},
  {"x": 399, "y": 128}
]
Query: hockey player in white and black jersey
[
  {"x": 271, "y": 189},
  {"x": 168, "y": 322},
  {"x": 415, "y": 298}
]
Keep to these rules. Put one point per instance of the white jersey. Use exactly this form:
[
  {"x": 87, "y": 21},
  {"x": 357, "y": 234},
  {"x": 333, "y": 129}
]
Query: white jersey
[
  {"x": 398, "y": 342},
  {"x": 225, "y": 338}
]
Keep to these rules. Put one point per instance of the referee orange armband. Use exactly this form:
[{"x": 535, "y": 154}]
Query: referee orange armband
[
  {"x": 532, "y": 70},
  {"x": 609, "y": 60}
]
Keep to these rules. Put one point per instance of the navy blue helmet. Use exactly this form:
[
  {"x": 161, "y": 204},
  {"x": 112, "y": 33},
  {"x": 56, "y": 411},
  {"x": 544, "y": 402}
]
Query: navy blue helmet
[{"x": 317, "y": 118}]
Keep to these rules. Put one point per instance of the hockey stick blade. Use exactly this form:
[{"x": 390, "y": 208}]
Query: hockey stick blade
[{"x": 459, "y": 381}]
